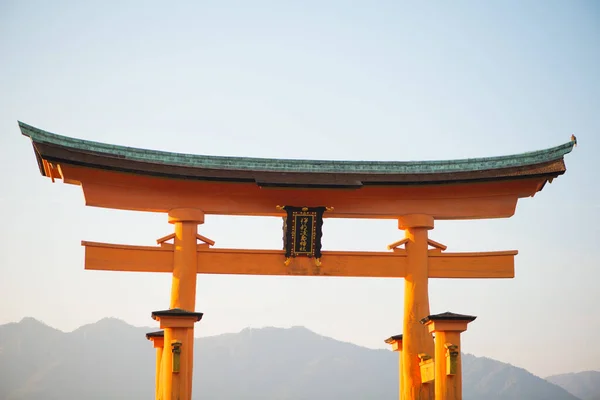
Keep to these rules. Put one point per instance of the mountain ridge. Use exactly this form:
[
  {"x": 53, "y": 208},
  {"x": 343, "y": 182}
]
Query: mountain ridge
[
  {"x": 584, "y": 384},
  {"x": 40, "y": 362}
]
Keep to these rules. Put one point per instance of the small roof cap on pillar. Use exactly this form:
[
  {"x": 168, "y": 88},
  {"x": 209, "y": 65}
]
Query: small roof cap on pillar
[
  {"x": 153, "y": 335},
  {"x": 392, "y": 339},
  {"x": 176, "y": 312},
  {"x": 448, "y": 316}
]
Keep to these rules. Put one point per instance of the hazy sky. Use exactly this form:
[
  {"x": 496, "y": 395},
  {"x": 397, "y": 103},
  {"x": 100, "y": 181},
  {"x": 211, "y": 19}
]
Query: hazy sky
[{"x": 372, "y": 80}]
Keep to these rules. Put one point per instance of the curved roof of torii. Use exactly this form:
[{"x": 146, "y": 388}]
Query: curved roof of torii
[
  {"x": 128, "y": 178},
  {"x": 267, "y": 172}
]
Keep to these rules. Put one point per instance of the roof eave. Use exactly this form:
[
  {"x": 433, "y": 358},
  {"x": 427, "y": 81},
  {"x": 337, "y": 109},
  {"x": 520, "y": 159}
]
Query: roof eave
[{"x": 46, "y": 147}]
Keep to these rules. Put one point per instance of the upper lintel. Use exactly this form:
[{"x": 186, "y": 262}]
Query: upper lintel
[{"x": 126, "y": 178}]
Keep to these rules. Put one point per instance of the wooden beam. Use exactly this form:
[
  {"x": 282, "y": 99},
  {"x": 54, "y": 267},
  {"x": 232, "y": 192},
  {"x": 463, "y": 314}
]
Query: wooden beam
[
  {"x": 110, "y": 189},
  {"x": 114, "y": 257},
  {"x": 496, "y": 264},
  {"x": 270, "y": 262},
  {"x": 110, "y": 257}
]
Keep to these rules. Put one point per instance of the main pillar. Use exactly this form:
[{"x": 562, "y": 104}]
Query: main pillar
[
  {"x": 174, "y": 373},
  {"x": 185, "y": 269},
  {"x": 158, "y": 341},
  {"x": 396, "y": 342},
  {"x": 448, "y": 366},
  {"x": 416, "y": 340}
]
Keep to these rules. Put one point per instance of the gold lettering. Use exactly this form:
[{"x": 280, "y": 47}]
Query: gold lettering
[{"x": 304, "y": 234}]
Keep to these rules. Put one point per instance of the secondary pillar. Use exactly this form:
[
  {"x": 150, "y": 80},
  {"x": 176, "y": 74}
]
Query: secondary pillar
[
  {"x": 175, "y": 363},
  {"x": 185, "y": 268},
  {"x": 416, "y": 340},
  {"x": 448, "y": 367},
  {"x": 396, "y": 342},
  {"x": 158, "y": 341}
]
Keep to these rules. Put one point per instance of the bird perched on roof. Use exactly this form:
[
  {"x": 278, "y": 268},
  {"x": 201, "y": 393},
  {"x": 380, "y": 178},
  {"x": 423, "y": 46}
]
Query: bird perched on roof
[{"x": 574, "y": 139}]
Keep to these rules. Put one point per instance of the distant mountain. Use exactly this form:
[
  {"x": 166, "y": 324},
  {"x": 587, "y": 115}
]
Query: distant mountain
[
  {"x": 113, "y": 360},
  {"x": 585, "y": 385},
  {"x": 491, "y": 379}
]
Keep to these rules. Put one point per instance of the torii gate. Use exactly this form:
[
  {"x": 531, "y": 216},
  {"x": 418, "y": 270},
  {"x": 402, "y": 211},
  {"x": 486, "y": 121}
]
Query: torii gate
[{"x": 187, "y": 187}]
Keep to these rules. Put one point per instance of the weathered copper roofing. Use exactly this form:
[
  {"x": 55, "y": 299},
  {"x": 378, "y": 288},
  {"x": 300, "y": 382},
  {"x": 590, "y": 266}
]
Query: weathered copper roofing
[
  {"x": 155, "y": 334},
  {"x": 292, "y": 172},
  {"x": 176, "y": 312},
  {"x": 448, "y": 316},
  {"x": 395, "y": 338}
]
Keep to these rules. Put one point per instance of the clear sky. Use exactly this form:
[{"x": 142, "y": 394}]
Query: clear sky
[{"x": 371, "y": 80}]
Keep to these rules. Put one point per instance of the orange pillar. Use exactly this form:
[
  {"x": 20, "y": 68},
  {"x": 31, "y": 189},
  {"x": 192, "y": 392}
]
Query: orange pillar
[
  {"x": 185, "y": 268},
  {"x": 158, "y": 341},
  {"x": 448, "y": 366},
  {"x": 396, "y": 342},
  {"x": 174, "y": 374},
  {"x": 416, "y": 340},
  {"x": 183, "y": 287}
]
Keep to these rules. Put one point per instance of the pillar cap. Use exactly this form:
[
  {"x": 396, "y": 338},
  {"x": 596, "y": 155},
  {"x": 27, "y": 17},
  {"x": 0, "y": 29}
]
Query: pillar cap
[
  {"x": 154, "y": 335},
  {"x": 176, "y": 312},
  {"x": 415, "y": 221},
  {"x": 186, "y": 215},
  {"x": 393, "y": 339},
  {"x": 448, "y": 316}
]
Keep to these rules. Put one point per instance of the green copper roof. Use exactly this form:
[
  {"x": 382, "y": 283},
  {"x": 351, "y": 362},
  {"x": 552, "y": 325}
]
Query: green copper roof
[{"x": 301, "y": 166}]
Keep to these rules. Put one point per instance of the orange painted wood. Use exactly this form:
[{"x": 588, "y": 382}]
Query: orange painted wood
[
  {"x": 111, "y": 257},
  {"x": 270, "y": 262},
  {"x": 117, "y": 190},
  {"x": 183, "y": 284},
  {"x": 498, "y": 264},
  {"x": 416, "y": 339}
]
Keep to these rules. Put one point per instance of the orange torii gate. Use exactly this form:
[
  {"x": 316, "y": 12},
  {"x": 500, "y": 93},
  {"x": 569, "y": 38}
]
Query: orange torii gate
[{"x": 187, "y": 187}]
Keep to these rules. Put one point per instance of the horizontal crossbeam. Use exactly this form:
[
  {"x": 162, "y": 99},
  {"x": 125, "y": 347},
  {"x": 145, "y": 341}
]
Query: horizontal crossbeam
[{"x": 111, "y": 257}]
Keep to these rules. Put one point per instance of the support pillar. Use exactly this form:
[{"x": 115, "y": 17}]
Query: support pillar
[
  {"x": 175, "y": 363},
  {"x": 417, "y": 340},
  {"x": 448, "y": 366},
  {"x": 158, "y": 341},
  {"x": 185, "y": 269},
  {"x": 396, "y": 342}
]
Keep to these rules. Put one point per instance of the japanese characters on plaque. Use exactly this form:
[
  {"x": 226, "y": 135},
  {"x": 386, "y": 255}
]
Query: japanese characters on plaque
[{"x": 302, "y": 232}]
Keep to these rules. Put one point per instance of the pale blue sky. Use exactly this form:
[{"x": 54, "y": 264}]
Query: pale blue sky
[{"x": 376, "y": 80}]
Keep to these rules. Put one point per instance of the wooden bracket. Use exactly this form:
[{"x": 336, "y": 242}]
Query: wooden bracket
[
  {"x": 437, "y": 247},
  {"x": 48, "y": 170},
  {"x": 395, "y": 247},
  {"x": 204, "y": 239},
  {"x": 397, "y": 244},
  {"x": 163, "y": 240}
]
